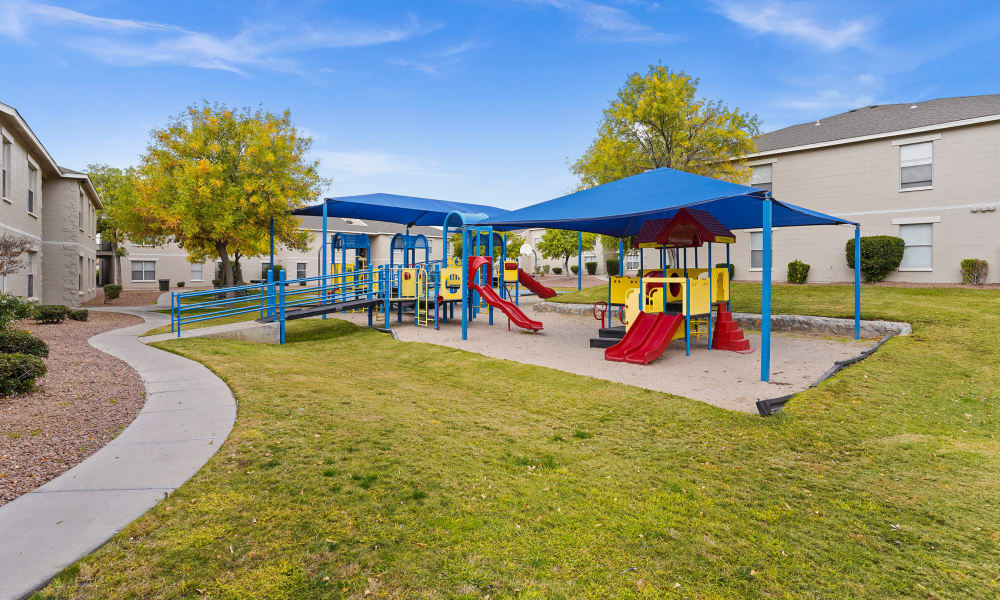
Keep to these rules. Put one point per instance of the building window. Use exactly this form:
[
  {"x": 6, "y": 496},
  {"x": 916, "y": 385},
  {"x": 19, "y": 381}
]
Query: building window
[
  {"x": 197, "y": 271},
  {"x": 915, "y": 165},
  {"x": 79, "y": 283},
  {"x": 300, "y": 270},
  {"x": 6, "y": 168},
  {"x": 760, "y": 177},
  {"x": 31, "y": 274},
  {"x": 32, "y": 177},
  {"x": 143, "y": 270},
  {"x": 80, "y": 212},
  {"x": 756, "y": 250},
  {"x": 632, "y": 261},
  {"x": 918, "y": 255}
]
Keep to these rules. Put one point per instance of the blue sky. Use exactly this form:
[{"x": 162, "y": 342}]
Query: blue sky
[{"x": 476, "y": 100}]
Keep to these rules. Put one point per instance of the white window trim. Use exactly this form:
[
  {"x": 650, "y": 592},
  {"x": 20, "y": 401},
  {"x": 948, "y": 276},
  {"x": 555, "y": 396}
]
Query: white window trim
[
  {"x": 759, "y": 162},
  {"x": 152, "y": 260},
  {"x": 202, "y": 278},
  {"x": 916, "y": 140},
  {"x": 899, "y": 170},
  {"x": 4, "y": 142},
  {"x": 750, "y": 247},
  {"x": 919, "y": 221}
]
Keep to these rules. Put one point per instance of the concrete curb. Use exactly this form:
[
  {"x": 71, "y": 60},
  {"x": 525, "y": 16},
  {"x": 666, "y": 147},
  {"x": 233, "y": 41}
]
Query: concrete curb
[
  {"x": 793, "y": 323},
  {"x": 188, "y": 413}
]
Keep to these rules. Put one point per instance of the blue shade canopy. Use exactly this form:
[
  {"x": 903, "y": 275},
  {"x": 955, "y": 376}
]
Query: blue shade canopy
[
  {"x": 408, "y": 210},
  {"x": 619, "y": 208}
]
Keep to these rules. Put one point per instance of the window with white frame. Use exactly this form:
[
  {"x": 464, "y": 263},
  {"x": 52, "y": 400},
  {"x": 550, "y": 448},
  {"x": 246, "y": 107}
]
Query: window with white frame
[
  {"x": 5, "y": 162},
  {"x": 31, "y": 274},
  {"x": 916, "y": 165},
  {"x": 143, "y": 270},
  {"x": 756, "y": 250},
  {"x": 919, "y": 252},
  {"x": 80, "y": 211},
  {"x": 632, "y": 261},
  {"x": 300, "y": 270},
  {"x": 760, "y": 177},
  {"x": 79, "y": 272},
  {"x": 197, "y": 271},
  {"x": 32, "y": 178}
]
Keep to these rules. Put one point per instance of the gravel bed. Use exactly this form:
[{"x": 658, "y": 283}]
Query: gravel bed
[{"x": 83, "y": 402}]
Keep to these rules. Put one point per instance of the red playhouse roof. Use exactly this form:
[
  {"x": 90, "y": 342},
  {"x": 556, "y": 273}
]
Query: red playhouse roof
[{"x": 690, "y": 227}]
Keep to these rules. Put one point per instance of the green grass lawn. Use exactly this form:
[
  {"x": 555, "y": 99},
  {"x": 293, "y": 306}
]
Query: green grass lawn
[{"x": 363, "y": 467}]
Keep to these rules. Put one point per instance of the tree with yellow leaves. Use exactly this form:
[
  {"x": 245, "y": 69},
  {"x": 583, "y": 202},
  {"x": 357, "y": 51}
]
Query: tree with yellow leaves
[
  {"x": 213, "y": 179},
  {"x": 656, "y": 121}
]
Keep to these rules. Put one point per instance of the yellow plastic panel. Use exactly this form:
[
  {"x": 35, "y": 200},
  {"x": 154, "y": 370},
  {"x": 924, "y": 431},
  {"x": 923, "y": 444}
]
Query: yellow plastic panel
[
  {"x": 631, "y": 306},
  {"x": 408, "y": 283},
  {"x": 720, "y": 285},
  {"x": 620, "y": 287},
  {"x": 451, "y": 283}
]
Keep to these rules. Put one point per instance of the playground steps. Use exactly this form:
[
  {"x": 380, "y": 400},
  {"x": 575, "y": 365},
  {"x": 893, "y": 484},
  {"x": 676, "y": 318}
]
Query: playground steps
[
  {"x": 607, "y": 337},
  {"x": 727, "y": 334}
]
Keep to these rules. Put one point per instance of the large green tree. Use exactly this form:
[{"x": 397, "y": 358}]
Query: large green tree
[
  {"x": 118, "y": 190},
  {"x": 656, "y": 121},
  {"x": 514, "y": 243},
  {"x": 561, "y": 243},
  {"x": 214, "y": 177}
]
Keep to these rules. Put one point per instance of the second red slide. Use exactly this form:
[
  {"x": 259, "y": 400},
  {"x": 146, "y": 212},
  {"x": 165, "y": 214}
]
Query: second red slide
[
  {"x": 633, "y": 337},
  {"x": 656, "y": 341},
  {"x": 536, "y": 287}
]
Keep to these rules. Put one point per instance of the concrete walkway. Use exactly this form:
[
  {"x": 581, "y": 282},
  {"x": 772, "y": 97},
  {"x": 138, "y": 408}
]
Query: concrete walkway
[{"x": 188, "y": 414}]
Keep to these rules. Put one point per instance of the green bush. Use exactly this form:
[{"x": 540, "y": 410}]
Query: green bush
[
  {"x": 112, "y": 291},
  {"x": 880, "y": 255},
  {"x": 573, "y": 269},
  {"x": 18, "y": 373},
  {"x": 16, "y": 341},
  {"x": 14, "y": 308},
  {"x": 557, "y": 270},
  {"x": 180, "y": 284},
  {"x": 51, "y": 313},
  {"x": 276, "y": 269},
  {"x": 591, "y": 267},
  {"x": 732, "y": 269},
  {"x": 546, "y": 269},
  {"x": 81, "y": 314},
  {"x": 611, "y": 264},
  {"x": 975, "y": 271},
  {"x": 798, "y": 272}
]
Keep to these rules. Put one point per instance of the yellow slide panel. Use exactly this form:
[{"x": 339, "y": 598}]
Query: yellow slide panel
[{"x": 451, "y": 283}]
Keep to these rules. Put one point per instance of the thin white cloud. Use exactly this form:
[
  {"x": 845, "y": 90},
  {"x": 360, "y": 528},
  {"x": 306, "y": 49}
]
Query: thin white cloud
[
  {"x": 827, "y": 101},
  {"x": 135, "y": 43},
  {"x": 372, "y": 163},
  {"x": 607, "y": 23},
  {"x": 790, "y": 20},
  {"x": 433, "y": 63}
]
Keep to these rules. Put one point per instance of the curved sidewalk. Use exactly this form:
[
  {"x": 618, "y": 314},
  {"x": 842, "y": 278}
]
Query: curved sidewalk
[{"x": 188, "y": 413}]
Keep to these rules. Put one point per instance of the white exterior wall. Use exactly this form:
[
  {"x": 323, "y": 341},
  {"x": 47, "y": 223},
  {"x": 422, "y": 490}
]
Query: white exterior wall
[
  {"x": 14, "y": 216},
  {"x": 860, "y": 182}
]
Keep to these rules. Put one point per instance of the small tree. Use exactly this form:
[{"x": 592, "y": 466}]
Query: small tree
[
  {"x": 118, "y": 191},
  {"x": 561, "y": 243},
  {"x": 214, "y": 178},
  {"x": 514, "y": 243},
  {"x": 12, "y": 248}
]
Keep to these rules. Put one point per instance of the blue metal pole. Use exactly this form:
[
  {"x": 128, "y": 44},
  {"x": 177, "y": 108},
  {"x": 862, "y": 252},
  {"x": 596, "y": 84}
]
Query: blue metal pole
[
  {"x": 579, "y": 260},
  {"x": 270, "y": 292},
  {"x": 729, "y": 301},
  {"x": 710, "y": 296},
  {"x": 281, "y": 306},
  {"x": 173, "y": 311},
  {"x": 503, "y": 267},
  {"x": 271, "y": 264},
  {"x": 466, "y": 280},
  {"x": 765, "y": 313},
  {"x": 687, "y": 314},
  {"x": 857, "y": 282},
  {"x": 324, "y": 266}
]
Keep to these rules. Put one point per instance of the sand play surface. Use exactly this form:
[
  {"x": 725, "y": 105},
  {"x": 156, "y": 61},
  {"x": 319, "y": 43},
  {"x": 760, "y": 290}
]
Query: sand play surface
[{"x": 725, "y": 379}]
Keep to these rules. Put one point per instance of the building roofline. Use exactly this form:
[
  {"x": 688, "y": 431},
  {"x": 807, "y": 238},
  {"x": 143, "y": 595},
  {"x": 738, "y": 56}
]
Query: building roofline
[
  {"x": 875, "y": 136},
  {"x": 40, "y": 148}
]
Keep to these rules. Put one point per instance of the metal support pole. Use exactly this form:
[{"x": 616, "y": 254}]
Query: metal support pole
[
  {"x": 270, "y": 292},
  {"x": 710, "y": 295},
  {"x": 729, "y": 300},
  {"x": 466, "y": 280},
  {"x": 857, "y": 282},
  {"x": 281, "y": 306},
  {"x": 579, "y": 260},
  {"x": 271, "y": 230},
  {"x": 325, "y": 265},
  {"x": 765, "y": 313}
]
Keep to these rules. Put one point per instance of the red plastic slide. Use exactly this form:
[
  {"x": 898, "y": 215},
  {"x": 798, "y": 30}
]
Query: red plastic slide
[
  {"x": 633, "y": 338},
  {"x": 513, "y": 313},
  {"x": 646, "y": 339},
  {"x": 536, "y": 287},
  {"x": 486, "y": 293},
  {"x": 659, "y": 337}
]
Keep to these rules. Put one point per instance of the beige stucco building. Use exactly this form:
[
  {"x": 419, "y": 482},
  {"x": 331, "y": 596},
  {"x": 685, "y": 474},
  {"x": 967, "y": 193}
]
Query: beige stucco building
[
  {"x": 928, "y": 172},
  {"x": 144, "y": 266},
  {"x": 55, "y": 209}
]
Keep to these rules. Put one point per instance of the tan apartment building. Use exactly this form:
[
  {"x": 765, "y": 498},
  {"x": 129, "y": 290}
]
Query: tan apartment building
[
  {"x": 53, "y": 207},
  {"x": 144, "y": 266},
  {"x": 928, "y": 172}
]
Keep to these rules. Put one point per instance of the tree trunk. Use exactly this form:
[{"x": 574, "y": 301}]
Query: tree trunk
[
  {"x": 115, "y": 276},
  {"x": 227, "y": 269}
]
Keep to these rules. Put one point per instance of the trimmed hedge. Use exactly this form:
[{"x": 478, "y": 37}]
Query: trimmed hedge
[
  {"x": 81, "y": 314},
  {"x": 880, "y": 255},
  {"x": 573, "y": 268},
  {"x": 18, "y": 373},
  {"x": 180, "y": 284},
  {"x": 557, "y": 270},
  {"x": 112, "y": 291},
  {"x": 591, "y": 267},
  {"x": 798, "y": 271},
  {"x": 16, "y": 341},
  {"x": 612, "y": 266},
  {"x": 975, "y": 271},
  {"x": 13, "y": 308},
  {"x": 732, "y": 269},
  {"x": 51, "y": 313}
]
